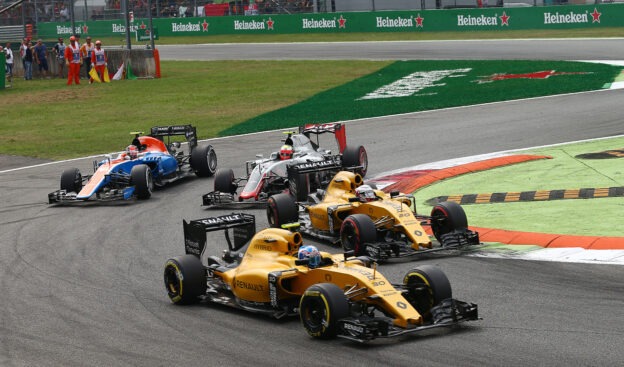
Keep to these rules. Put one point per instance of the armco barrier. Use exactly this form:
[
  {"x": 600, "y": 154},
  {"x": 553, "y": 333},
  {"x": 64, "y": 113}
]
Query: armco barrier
[{"x": 489, "y": 19}]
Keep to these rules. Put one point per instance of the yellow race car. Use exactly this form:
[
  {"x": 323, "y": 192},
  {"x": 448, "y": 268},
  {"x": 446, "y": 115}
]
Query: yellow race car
[
  {"x": 334, "y": 295},
  {"x": 371, "y": 222}
]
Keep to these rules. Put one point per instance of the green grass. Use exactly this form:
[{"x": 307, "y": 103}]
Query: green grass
[
  {"x": 564, "y": 171},
  {"x": 42, "y": 118}
]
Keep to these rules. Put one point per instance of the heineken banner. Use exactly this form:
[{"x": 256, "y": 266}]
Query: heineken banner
[{"x": 490, "y": 19}]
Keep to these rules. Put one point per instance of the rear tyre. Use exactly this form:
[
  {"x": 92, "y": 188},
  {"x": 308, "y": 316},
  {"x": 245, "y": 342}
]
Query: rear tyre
[
  {"x": 427, "y": 286},
  {"x": 224, "y": 181},
  {"x": 355, "y": 156},
  {"x": 185, "y": 279},
  {"x": 299, "y": 187},
  {"x": 204, "y": 161},
  {"x": 281, "y": 209},
  {"x": 141, "y": 178},
  {"x": 71, "y": 180},
  {"x": 447, "y": 217},
  {"x": 320, "y": 308},
  {"x": 356, "y": 231}
]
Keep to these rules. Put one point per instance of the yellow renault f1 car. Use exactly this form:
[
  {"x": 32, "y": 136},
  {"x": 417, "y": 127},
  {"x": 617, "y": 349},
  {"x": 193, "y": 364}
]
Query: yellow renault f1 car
[
  {"x": 371, "y": 222},
  {"x": 334, "y": 295}
]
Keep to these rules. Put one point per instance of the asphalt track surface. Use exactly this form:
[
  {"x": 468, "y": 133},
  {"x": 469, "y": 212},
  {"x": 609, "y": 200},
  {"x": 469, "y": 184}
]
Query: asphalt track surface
[{"x": 82, "y": 286}]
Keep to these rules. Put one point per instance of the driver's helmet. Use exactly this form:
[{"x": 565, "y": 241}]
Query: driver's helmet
[
  {"x": 365, "y": 193},
  {"x": 312, "y": 254},
  {"x": 286, "y": 152},
  {"x": 132, "y": 151}
]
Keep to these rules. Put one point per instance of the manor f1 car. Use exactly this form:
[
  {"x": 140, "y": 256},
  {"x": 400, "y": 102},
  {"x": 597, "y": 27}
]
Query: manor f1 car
[
  {"x": 149, "y": 161},
  {"x": 268, "y": 176},
  {"x": 334, "y": 295},
  {"x": 371, "y": 222}
]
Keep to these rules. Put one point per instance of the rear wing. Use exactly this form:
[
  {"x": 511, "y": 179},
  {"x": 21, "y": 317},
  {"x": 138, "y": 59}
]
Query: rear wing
[
  {"x": 332, "y": 164},
  {"x": 335, "y": 128},
  {"x": 189, "y": 132},
  {"x": 243, "y": 228}
]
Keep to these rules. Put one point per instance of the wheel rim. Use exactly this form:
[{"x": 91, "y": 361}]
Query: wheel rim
[
  {"x": 172, "y": 282},
  {"x": 212, "y": 160},
  {"x": 315, "y": 315},
  {"x": 148, "y": 179},
  {"x": 363, "y": 161}
]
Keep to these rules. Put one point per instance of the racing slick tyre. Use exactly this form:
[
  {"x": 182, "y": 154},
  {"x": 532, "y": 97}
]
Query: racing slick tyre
[
  {"x": 299, "y": 186},
  {"x": 427, "y": 286},
  {"x": 355, "y": 156},
  {"x": 224, "y": 181},
  {"x": 282, "y": 209},
  {"x": 185, "y": 279},
  {"x": 321, "y": 307},
  {"x": 447, "y": 217},
  {"x": 71, "y": 180},
  {"x": 141, "y": 178},
  {"x": 356, "y": 231},
  {"x": 204, "y": 161}
]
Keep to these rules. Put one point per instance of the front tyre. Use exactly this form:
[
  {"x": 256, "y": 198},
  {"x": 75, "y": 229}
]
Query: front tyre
[
  {"x": 447, "y": 217},
  {"x": 204, "y": 161},
  {"x": 141, "y": 178},
  {"x": 224, "y": 181},
  {"x": 356, "y": 231},
  {"x": 355, "y": 156},
  {"x": 185, "y": 279},
  {"x": 427, "y": 286},
  {"x": 321, "y": 307},
  {"x": 281, "y": 209},
  {"x": 71, "y": 180}
]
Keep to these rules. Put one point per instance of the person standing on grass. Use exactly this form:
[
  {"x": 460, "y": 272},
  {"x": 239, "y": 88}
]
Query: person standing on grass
[
  {"x": 59, "y": 50},
  {"x": 85, "y": 52},
  {"x": 28, "y": 60},
  {"x": 9, "y": 61},
  {"x": 23, "y": 48},
  {"x": 98, "y": 60},
  {"x": 41, "y": 58},
  {"x": 73, "y": 61}
]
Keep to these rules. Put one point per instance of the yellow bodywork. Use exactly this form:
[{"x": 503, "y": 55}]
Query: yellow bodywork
[
  {"x": 389, "y": 213},
  {"x": 274, "y": 250}
]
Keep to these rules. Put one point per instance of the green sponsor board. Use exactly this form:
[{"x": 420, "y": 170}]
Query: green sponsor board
[
  {"x": 411, "y": 86},
  {"x": 550, "y": 17},
  {"x": 2, "y": 67},
  {"x": 143, "y": 34}
]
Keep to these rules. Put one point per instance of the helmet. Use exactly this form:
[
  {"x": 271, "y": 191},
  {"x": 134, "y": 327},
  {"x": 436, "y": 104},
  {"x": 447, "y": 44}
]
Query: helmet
[
  {"x": 132, "y": 151},
  {"x": 312, "y": 254},
  {"x": 286, "y": 152},
  {"x": 365, "y": 193},
  {"x": 72, "y": 38}
]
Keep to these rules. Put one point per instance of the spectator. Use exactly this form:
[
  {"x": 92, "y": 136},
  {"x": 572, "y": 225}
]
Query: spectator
[
  {"x": 9, "y": 61},
  {"x": 59, "y": 50},
  {"x": 28, "y": 60},
  {"x": 98, "y": 60},
  {"x": 64, "y": 13},
  {"x": 23, "y": 48},
  {"x": 85, "y": 52},
  {"x": 40, "y": 54},
  {"x": 73, "y": 61}
]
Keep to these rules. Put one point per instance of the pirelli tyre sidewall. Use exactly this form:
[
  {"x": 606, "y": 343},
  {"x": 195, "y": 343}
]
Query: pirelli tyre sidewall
[
  {"x": 281, "y": 209},
  {"x": 356, "y": 231},
  {"x": 141, "y": 178},
  {"x": 71, "y": 180},
  {"x": 224, "y": 181},
  {"x": 204, "y": 161},
  {"x": 185, "y": 279},
  {"x": 436, "y": 288},
  {"x": 447, "y": 217},
  {"x": 355, "y": 156},
  {"x": 321, "y": 307}
]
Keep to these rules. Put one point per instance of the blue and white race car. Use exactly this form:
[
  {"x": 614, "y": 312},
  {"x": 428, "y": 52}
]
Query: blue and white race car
[{"x": 147, "y": 163}]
